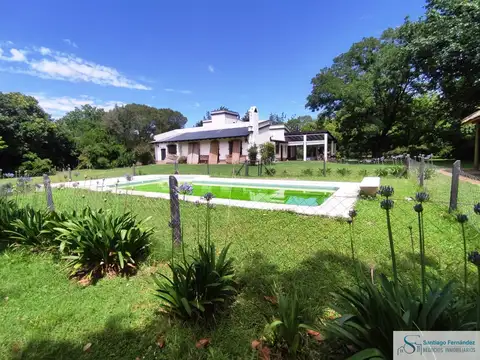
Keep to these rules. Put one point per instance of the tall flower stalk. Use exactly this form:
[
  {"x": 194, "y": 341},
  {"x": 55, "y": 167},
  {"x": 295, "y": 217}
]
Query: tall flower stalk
[
  {"x": 421, "y": 197},
  {"x": 352, "y": 214},
  {"x": 474, "y": 258},
  {"x": 462, "y": 219},
  {"x": 208, "y": 197},
  {"x": 387, "y": 205}
]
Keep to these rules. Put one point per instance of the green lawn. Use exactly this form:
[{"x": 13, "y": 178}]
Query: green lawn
[{"x": 44, "y": 315}]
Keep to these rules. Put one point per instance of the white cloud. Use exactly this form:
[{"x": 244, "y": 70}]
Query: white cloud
[
  {"x": 16, "y": 55},
  {"x": 49, "y": 64},
  {"x": 211, "y": 68},
  {"x": 45, "y": 51},
  {"x": 70, "y": 42},
  {"x": 178, "y": 91},
  {"x": 59, "y": 106}
]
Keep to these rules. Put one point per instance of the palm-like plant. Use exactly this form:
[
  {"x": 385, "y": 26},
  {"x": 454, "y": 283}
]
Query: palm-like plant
[
  {"x": 97, "y": 242},
  {"x": 28, "y": 228}
]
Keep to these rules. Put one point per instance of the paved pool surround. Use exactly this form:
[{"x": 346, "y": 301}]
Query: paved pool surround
[{"x": 341, "y": 201}]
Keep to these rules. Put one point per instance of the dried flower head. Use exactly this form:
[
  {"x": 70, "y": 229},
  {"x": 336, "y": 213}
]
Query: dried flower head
[
  {"x": 386, "y": 191},
  {"x": 462, "y": 218},
  {"x": 474, "y": 258},
  {"x": 352, "y": 213},
  {"x": 386, "y": 204},
  {"x": 422, "y": 197}
]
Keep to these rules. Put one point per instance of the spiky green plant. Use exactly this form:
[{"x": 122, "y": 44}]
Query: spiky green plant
[
  {"x": 289, "y": 326},
  {"x": 371, "y": 314},
  {"x": 199, "y": 286},
  {"x": 97, "y": 242}
]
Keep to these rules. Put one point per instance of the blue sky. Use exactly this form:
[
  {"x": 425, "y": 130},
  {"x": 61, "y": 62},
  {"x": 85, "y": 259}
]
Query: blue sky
[{"x": 191, "y": 56}]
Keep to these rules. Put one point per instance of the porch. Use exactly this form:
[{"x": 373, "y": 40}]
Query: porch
[{"x": 311, "y": 145}]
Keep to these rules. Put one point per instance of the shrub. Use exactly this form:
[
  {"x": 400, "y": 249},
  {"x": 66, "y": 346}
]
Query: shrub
[
  {"x": 343, "y": 171},
  {"x": 182, "y": 160},
  {"x": 144, "y": 153},
  {"x": 363, "y": 172},
  {"x": 270, "y": 171},
  {"x": 97, "y": 242},
  {"x": 307, "y": 172},
  {"x": 36, "y": 166},
  {"x": 381, "y": 172},
  {"x": 198, "y": 287},
  {"x": 396, "y": 171},
  {"x": 429, "y": 173},
  {"x": 288, "y": 329},
  {"x": 125, "y": 159},
  {"x": 6, "y": 189},
  {"x": 29, "y": 228},
  {"x": 252, "y": 154},
  {"x": 267, "y": 152},
  {"x": 8, "y": 212},
  {"x": 102, "y": 163},
  {"x": 322, "y": 172},
  {"x": 370, "y": 314}
]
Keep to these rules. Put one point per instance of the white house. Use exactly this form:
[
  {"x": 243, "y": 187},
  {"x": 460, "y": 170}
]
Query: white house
[{"x": 225, "y": 139}]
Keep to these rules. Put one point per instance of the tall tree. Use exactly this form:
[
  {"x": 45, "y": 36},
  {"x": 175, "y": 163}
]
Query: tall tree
[
  {"x": 301, "y": 123},
  {"x": 277, "y": 119},
  {"x": 368, "y": 90}
]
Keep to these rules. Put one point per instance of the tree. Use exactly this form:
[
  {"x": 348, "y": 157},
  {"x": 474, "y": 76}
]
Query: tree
[
  {"x": 245, "y": 117},
  {"x": 446, "y": 50},
  {"x": 277, "y": 119},
  {"x": 28, "y": 132},
  {"x": 207, "y": 116},
  {"x": 301, "y": 123},
  {"x": 199, "y": 123},
  {"x": 368, "y": 91},
  {"x": 3, "y": 145}
]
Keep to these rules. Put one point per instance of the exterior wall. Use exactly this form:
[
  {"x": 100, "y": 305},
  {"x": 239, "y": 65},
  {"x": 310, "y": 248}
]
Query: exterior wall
[
  {"x": 278, "y": 133},
  {"x": 263, "y": 136}
]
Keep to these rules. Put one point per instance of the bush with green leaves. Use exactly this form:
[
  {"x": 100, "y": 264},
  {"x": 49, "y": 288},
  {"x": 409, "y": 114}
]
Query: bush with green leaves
[
  {"x": 396, "y": 171},
  {"x": 381, "y": 172},
  {"x": 324, "y": 172},
  {"x": 201, "y": 284},
  {"x": 100, "y": 242},
  {"x": 363, "y": 172},
  {"x": 343, "y": 171},
  {"x": 182, "y": 160},
  {"x": 307, "y": 172},
  {"x": 287, "y": 331},
  {"x": 35, "y": 166},
  {"x": 8, "y": 212},
  {"x": 371, "y": 313},
  {"x": 29, "y": 228},
  {"x": 270, "y": 171},
  {"x": 267, "y": 152},
  {"x": 252, "y": 154}
]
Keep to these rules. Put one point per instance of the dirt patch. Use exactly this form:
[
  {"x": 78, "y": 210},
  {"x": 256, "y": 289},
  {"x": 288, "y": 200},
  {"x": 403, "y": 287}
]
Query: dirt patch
[{"x": 462, "y": 178}]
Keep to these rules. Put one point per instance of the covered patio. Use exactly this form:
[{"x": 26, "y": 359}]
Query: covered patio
[
  {"x": 316, "y": 145},
  {"x": 475, "y": 119}
]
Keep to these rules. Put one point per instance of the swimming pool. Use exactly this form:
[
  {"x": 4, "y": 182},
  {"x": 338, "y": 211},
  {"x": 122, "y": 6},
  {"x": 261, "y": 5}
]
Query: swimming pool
[{"x": 280, "y": 194}]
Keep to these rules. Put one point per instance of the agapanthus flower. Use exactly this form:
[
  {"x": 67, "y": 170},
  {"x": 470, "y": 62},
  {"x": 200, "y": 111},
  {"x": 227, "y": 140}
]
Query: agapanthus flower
[
  {"x": 185, "y": 189},
  {"x": 386, "y": 191},
  {"x": 386, "y": 204},
  {"x": 352, "y": 213},
  {"x": 418, "y": 208},
  {"x": 208, "y": 196},
  {"x": 462, "y": 218},
  {"x": 476, "y": 209},
  {"x": 128, "y": 177},
  {"x": 474, "y": 258},
  {"x": 422, "y": 197},
  {"x": 9, "y": 175}
]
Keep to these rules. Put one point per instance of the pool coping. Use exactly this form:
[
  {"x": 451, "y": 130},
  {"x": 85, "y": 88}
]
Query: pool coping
[{"x": 337, "y": 205}]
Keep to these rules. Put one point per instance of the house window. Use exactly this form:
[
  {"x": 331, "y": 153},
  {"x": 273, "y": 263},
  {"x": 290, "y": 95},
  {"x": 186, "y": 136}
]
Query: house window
[
  {"x": 172, "y": 149},
  {"x": 277, "y": 148},
  {"x": 230, "y": 147}
]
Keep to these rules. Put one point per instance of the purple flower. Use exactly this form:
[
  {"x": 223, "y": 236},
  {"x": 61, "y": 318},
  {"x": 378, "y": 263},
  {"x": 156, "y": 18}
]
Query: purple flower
[
  {"x": 185, "y": 189},
  {"x": 418, "y": 208},
  {"x": 128, "y": 177},
  {"x": 352, "y": 213},
  {"x": 474, "y": 258},
  {"x": 208, "y": 196},
  {"x": 386, "y": 204},
  {"x": 462, "y": 218},
  {"x": 476, "y": 209},
  {"x": 386, "y": 191},
  {"x": 422, "y": 197},
  {"x": 9, "y": 175}
]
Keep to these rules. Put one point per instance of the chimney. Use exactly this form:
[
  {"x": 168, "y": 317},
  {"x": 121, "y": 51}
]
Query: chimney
[{"x": 253, "y": 119}]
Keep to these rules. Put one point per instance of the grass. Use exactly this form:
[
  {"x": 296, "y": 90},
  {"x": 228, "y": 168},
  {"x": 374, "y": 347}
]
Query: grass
[{"x": 45, "y": 315}]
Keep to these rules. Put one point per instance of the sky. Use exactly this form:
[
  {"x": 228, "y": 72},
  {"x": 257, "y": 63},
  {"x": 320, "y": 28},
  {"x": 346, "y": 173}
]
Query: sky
[{"x": 191, "y": 56}]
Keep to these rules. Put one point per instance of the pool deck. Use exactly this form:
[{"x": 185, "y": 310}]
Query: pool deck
[{"x": 337, "y": 205}]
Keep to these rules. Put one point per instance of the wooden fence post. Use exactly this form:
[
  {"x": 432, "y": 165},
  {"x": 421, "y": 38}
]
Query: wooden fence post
[
  {"x": 48, "y": 192},
  {"x": 246, "y": 168},
  {"x": 208, "y": 168},
  {"x": 421, "y": 175},
  {"x": 407, "y": 164},
  {"x": 454, "y": 186},
  {"x": 134, "y": 170},
  {"x": 69, "y": 173},
  {"x": 175, "y": 223}
]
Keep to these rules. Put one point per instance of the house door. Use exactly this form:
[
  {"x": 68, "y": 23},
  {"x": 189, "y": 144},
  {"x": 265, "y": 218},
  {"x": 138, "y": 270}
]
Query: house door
[
  {"x": 236, "y": 151},
  {"x": 193, "y": 153},
  {"x": 213, "y": 157},
  {"x": 163, "y": 154}
]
